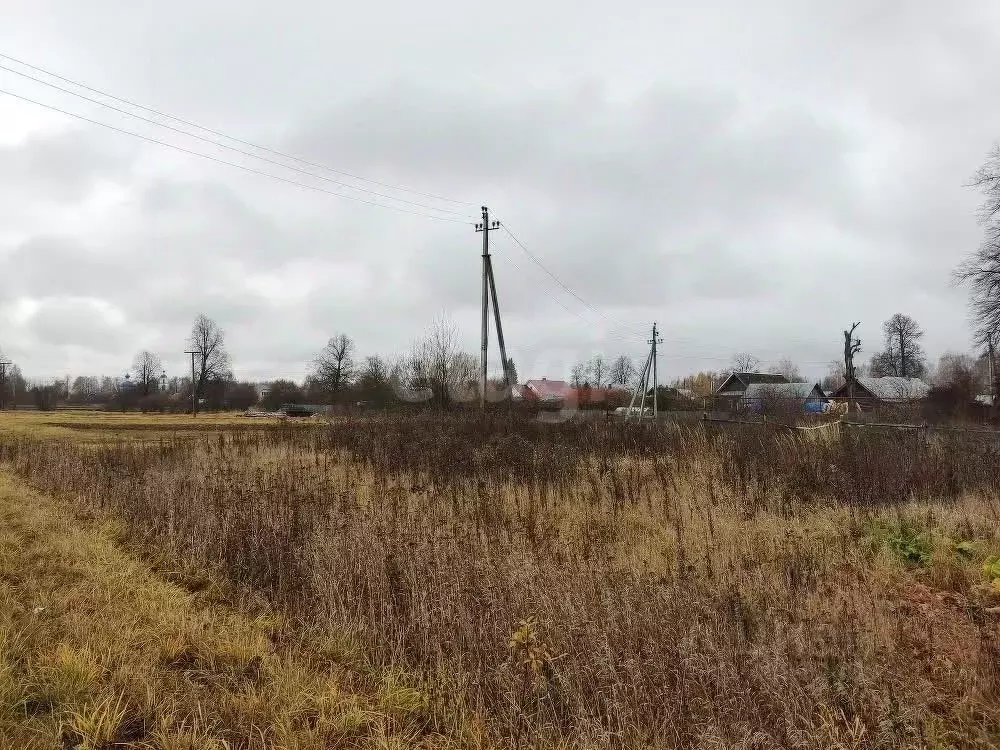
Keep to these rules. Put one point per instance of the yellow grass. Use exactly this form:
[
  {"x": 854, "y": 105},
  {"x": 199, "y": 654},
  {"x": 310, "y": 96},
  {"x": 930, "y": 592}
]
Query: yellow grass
[
  {"x": 688, "y": 596},
  {"x": 92, "y": 426},
  {"x": 96, "y": 648}
]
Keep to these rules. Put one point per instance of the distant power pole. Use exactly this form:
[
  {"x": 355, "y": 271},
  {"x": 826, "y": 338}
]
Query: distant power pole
[
  {"x": 490, "y": 290},
  {"x": 990, "y": 355},
  {"x": 3, "y": 382},
  {"x": 642, "y": 386},
  {"x": 194, "y": 408},
  {"x": 652, "y": 354}
]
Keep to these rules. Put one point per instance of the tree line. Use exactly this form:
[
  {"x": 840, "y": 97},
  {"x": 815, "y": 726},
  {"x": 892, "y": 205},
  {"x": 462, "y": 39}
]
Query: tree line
[{"x": 435, "y": 370}]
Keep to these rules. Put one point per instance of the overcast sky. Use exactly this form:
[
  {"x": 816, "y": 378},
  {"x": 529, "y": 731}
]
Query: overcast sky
[{"x": 752, "y": 176}]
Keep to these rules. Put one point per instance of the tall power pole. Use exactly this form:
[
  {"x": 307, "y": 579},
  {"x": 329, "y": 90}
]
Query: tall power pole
[
  {"x": 3, "y": 382},
  {"x": 194, "y": 408},
  {"x": 496, "y": 315},
  {"x": 486, "y": 303},
  {"x": 489, "y": 286},
  {"x": 652, "y": 355},
  {"x": 642, "y": 386}
]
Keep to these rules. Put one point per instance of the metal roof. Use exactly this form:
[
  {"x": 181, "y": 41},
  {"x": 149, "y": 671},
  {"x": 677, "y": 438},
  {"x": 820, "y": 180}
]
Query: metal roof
[
  {"x": 895, "y": 389},
  {"x": 746, "y": 379},
  {"x": 549, "y": 390}
]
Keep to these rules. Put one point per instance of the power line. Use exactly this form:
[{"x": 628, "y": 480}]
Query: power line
[
  {"x": 636, "y": 338},
  {"x": 230, "y": 163},
  {"x": 635, "y": 332},
  {"x": 223, "y": 135},
  {"x": 551, "y": 275},
  {"x": 230, "y": 148},
  {"x": 534, "y": 259}
]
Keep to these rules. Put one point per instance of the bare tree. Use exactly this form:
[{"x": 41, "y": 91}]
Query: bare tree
[
  {"x": 745, "y": 362},
  {"x": 437, "y": 363},
  {"x": 211, "y": 358},
  {"x": 334, "y": 367},
  {"x": 903, "y": 356},
  {"x": 834, "y": 377},
  {"x": 953, "y": 367},
  {"x": 597, "y": 370},
  {"x": 578, "y": 374},
  {"x": 622, "y": 371},
  {"x": 147, "y": 368},
  {"x": 981, "y": 270},
  {"x": 789, "y": 369},
  {"x": 956, "y": 383},
  {"x": 376, "y": 370},
  {"x": 374, "y": 379}
]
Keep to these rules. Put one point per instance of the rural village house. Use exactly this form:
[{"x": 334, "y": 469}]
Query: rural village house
[
  {"x": 558, "y": 394},
  {"x": 729, "y": 395},
  {"x": 870, "y": 392},
  {"x": 761, "y": 397}
]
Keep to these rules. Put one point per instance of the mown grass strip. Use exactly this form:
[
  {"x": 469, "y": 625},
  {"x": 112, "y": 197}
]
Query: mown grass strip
[{"x": 98, "y": 651}]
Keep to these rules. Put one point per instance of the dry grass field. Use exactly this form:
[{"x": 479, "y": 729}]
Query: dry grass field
[{"x": 430, "y": 581}]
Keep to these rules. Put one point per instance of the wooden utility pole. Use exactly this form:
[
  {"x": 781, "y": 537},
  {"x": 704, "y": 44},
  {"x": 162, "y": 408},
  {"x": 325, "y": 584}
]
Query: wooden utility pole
[
  {"x": 3, "y": 382},
  {"x": 640, "y": 388},
  {"x": 496, "y": 316},
  {"x": 990, "y": 355},
  {"x": 652, "y": 354},
  {"x": 649, "y": 368},
  {"x": 194, "y": 397},
  {"x": 485, "y": 229},
  {"x": 489, "y": 287}
]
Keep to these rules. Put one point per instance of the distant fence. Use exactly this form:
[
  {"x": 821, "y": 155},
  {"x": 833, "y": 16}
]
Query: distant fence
[{"x": 925, "y": 430}]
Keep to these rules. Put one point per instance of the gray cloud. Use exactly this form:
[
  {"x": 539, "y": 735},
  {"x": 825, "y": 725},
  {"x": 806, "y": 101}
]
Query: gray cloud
[
  {"x": 753, "y": 178},
  {"x": 61, "y": 167},
  {"x": 76, "y": 322}
]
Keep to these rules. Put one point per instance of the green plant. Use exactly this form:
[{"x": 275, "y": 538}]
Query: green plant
[
  {"x": 966, "y": 549},
  {"x": 991, "y": 568},
  {"x": 912, "y": 547}
]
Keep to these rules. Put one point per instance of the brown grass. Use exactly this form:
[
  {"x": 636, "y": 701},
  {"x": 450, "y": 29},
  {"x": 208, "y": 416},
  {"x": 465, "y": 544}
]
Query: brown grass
[
  {"x": 596, "y": 585},
  {"x": 98, "y": 651}
]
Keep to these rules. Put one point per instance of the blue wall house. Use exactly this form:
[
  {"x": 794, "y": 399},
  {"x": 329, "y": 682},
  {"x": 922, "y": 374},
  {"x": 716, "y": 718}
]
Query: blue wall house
[{"x": 788, "y": 397}]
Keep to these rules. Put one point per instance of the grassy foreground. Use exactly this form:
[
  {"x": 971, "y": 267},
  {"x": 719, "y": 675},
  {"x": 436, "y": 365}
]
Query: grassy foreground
[
  {"x": 458, "y": 581},
  {"x": 97, "y": 651}
]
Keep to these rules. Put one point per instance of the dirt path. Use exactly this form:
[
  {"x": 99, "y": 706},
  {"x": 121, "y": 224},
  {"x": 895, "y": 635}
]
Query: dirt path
[{"x": 99, "y": 651}]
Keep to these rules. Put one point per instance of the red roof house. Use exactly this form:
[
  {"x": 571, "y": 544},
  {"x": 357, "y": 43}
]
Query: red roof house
[
  {"x": 547, "y": 391},
  {"x": 560, "y": 393}
]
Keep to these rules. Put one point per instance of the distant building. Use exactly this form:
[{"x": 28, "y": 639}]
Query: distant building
[
  {"x": 729, "y": 395},
  {"x": 547, "y": 392},
  {"x": 758, "y": 397},
  {"x": 560, "y": 394},
  {"x": 870, "y": 392}
]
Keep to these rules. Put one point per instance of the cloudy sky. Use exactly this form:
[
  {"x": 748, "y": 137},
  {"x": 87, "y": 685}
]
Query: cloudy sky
[{"x": 752, "y": 176}]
